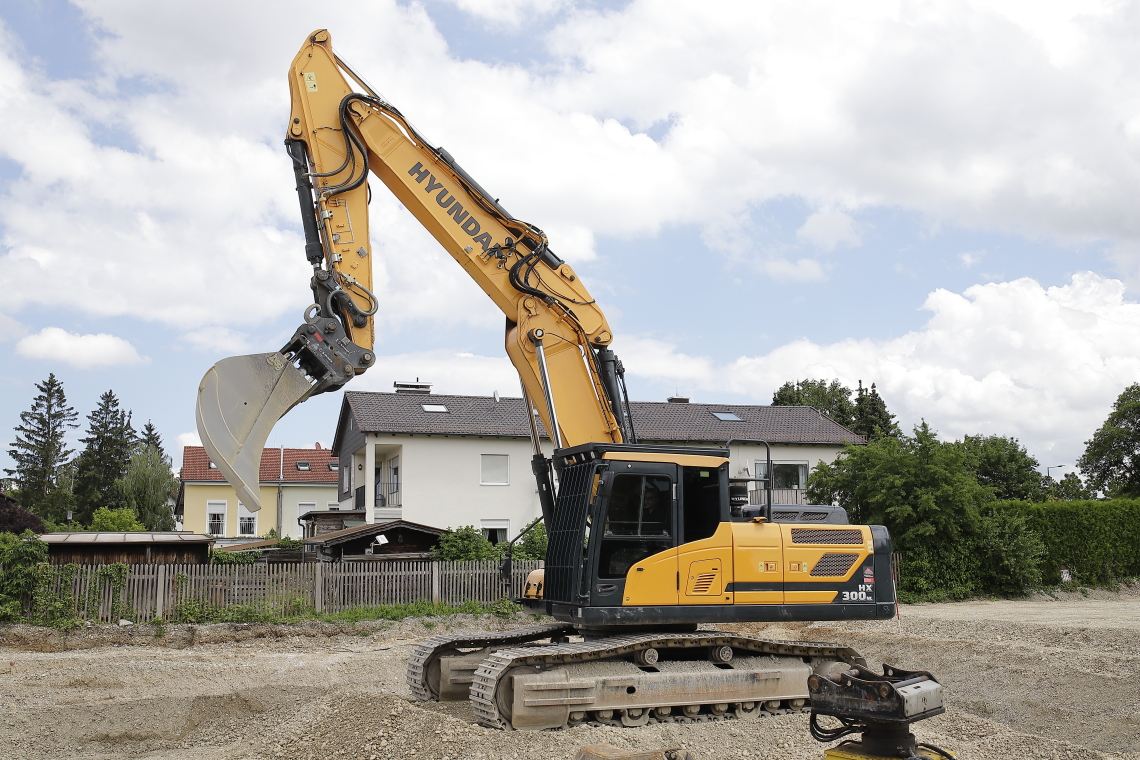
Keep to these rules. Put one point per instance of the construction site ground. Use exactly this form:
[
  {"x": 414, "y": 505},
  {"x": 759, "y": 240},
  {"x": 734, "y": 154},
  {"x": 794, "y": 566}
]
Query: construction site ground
[{"x": 1048, "y": 677}]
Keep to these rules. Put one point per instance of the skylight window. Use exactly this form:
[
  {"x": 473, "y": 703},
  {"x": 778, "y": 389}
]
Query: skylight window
[
  {"x": 727, "y": 417},
  {"x": 334, "y": 466},
  {"x": 304, "y": 466},
  {"x": 213, "y": 466},
  {"x": 433, "y": 407}
]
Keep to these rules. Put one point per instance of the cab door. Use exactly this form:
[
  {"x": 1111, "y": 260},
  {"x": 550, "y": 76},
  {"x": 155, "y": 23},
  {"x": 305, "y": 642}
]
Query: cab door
[
  {"x": 704, "y": 557},
  {"x": 636, "y": 561}
]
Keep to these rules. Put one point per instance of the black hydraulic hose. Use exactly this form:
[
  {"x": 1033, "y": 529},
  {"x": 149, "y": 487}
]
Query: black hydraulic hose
[{"x": 939, "y": 750}]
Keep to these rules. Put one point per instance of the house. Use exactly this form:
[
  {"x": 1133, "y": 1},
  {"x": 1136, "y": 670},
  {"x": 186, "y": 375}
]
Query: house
[
  {"x": 465, "y": 460},
  {"x": 395, "y": 539},
  {"x": 128, "y": 547},
  {"x": 293, "y": 482}
]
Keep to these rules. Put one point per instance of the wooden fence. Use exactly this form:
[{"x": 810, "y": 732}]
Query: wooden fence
[{"x": 176, "y": 591}]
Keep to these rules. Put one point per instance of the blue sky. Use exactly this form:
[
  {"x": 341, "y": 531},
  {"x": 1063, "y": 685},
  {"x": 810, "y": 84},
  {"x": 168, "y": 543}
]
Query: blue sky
[{"x": 934, "y": 197}]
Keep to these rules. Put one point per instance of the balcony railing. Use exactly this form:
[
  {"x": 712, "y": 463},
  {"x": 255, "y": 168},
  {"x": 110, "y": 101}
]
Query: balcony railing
[
  {"x": 779, "y": 496},
  {"x": 387, "y": 496}
]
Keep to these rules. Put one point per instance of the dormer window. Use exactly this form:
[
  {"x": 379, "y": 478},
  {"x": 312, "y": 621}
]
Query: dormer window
[
  {"x": 334, "y": 466},
  {"x": 304, "y": 466},
  {"x": 727, "y": 417},
  {"x": 433, "y": 407}
]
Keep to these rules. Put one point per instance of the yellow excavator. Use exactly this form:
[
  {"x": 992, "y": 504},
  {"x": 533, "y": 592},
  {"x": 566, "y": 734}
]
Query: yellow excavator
[{"x": 646, "y": 542}]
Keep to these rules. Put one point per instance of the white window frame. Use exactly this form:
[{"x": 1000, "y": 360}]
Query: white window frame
[
  {"x": 305, "y": 506},
  {"x": 212, "y": 506},
  {"x": 504, "y": 525},
  {"x": 762, "y": 464},
  {"x": 482, "y": 471},
  {"x": 332, "y": 506},
  {"x": 245, "y": 514}
]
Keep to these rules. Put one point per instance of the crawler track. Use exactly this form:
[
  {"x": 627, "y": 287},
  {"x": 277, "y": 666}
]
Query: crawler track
[
  {"x": 488, "y": 676},
  {"x": 422, "y": 655}
]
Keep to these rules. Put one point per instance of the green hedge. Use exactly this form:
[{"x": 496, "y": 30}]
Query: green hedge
[{"x": 1099, "y": 541}]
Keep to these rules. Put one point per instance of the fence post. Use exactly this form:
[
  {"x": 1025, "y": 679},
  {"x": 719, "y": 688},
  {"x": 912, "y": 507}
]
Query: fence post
[
  {"x": 435, "y": 595},
  {"x": 319, "y": 587},
  {"x": 159, "y": 587}
]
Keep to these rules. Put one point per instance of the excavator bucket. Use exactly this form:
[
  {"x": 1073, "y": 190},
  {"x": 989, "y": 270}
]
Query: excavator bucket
[{"x": 240, "y": 399}]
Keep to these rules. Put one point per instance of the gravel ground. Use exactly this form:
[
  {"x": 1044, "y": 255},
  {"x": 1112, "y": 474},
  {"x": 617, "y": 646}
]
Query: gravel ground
[{"x": 1042, "y": 678}]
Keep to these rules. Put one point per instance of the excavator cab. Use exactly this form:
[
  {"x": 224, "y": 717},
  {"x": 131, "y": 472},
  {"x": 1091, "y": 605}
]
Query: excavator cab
[{"x": 645, "y": 536}]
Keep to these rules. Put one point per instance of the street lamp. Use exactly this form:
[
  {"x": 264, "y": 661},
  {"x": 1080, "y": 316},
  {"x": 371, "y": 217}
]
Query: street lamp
[{"x": 1053, "y": 467}]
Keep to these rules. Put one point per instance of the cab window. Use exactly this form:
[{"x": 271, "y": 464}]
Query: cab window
[{"x": 639, "y": 522}]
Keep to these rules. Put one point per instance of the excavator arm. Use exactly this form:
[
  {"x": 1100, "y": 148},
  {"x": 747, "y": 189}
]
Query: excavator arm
[{"x": 557, "y": 337}]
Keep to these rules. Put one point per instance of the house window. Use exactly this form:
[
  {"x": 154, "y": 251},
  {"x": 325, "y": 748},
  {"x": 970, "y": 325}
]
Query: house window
[
  {"x": 212, "y": 465},
  {"x": 727, "y": 417},
  {"x": 494, "y": 469},
  {"x": 304, "y": 467},
  {"x": 247, "y": 521},
  {"x": 306, "y": 506},
  {"x": 216, "y": 518},
  {"x": 333, "y": 506},
  {"x": 334, "y": 466},
  {"x": 437, "y": 408},
  {"x": 388, "y": 491},
  {"x": 495, "y": 531},
  {"x": 785, "y": 475}
]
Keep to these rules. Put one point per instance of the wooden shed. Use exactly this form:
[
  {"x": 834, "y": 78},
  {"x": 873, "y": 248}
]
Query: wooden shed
[
  {"x": 397, "y": 539},
  {"x": 129, "y": 547}
]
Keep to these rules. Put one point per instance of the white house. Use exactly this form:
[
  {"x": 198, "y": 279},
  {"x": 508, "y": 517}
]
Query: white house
[{"x": 449, "y": 461}]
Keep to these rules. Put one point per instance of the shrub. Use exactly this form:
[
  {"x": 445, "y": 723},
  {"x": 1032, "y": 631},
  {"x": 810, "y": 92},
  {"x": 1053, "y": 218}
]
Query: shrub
[{"x": 465, "y": 544}]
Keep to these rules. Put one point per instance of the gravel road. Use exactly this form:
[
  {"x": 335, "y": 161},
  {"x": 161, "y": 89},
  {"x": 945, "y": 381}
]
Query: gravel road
[{"x": 1042, "y": 678}]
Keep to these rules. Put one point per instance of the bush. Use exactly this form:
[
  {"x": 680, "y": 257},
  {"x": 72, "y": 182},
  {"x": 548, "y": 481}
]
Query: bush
[
  {"x": 16, "y": 519},
  {"x": 465, "y": 544},
  {"x": 532, "y": 545},
  {"x": 1098, "y": 541},
  {"x": 123, "y": 519},
  {"x": 219, "y": 557}
]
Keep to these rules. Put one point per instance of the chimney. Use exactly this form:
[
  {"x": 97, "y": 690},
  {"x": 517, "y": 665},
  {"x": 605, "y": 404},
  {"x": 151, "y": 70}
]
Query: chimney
[
  {"x": 408, "y": 386},
  {"x": 317, "y": 445},
  {"x": 495, "y": 395},
  {"x": 678, "y": 399}
]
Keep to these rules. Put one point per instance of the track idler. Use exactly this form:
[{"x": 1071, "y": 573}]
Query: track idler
[{"x": 880, "y": 708}]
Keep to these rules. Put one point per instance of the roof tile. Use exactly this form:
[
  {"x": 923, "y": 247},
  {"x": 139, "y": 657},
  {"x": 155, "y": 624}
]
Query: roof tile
[{"x": 196, "y": 466}]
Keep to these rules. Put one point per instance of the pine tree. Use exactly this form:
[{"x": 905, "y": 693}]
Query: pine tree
[
  {"x": 150, "y": 437},
  {"x": 833, "y": 399},
  {"x": 871, "y": 416},
  {"x": 40, "y": 452},
  {"x": 110, "y": 441}
]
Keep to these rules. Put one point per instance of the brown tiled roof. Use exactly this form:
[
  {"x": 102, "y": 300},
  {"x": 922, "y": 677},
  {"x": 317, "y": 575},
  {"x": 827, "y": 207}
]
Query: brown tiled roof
[
  {"x": 196, "y": 466},
  {"x": 655, "y": 421}
]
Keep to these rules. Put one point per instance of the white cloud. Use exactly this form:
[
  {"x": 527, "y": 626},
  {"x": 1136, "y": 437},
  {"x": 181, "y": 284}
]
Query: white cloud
[
  {"x": 83, "y": 351},
  {"x": 926, "y": 106},
  {"x": 828, "y": 229},
  {"x": 188, "y": 439},
  {"x": 1010, "y": 358},
  {"x": 969, "y": 258},
  {"x": 509, "y": 12},
  {"x": 448, "y": 371}
]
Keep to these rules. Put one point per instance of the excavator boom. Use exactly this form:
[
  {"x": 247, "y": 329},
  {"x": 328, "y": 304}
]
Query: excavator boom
[{"x": 338, "y": 138}]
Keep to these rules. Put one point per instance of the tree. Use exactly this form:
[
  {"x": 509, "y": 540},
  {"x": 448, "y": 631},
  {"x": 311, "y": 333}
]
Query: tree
[
  {"x": 922, "y": 489},
  {"x": 833, "y": 399},
  {"x": 464, "y": 544},
  {"x": 146, "y": 487},
  {"x": 150, "y": 437},
  {"x": 115, "y": 520},
  {"x": 108, "y": 447},
  {"x": 1111, "y": 462},
  {"x": 1069, "y": 488},
  {"x": 871, "y": 418},
  {"x": 532, "y": 545},
  {"x": 1005, "y": 467},
  {"x": 39, "y": 450},
  {"x": 16, "y": 519}
]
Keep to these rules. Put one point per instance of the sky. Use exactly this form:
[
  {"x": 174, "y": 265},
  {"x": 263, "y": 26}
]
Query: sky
[{"x": 937, "y": 197}]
